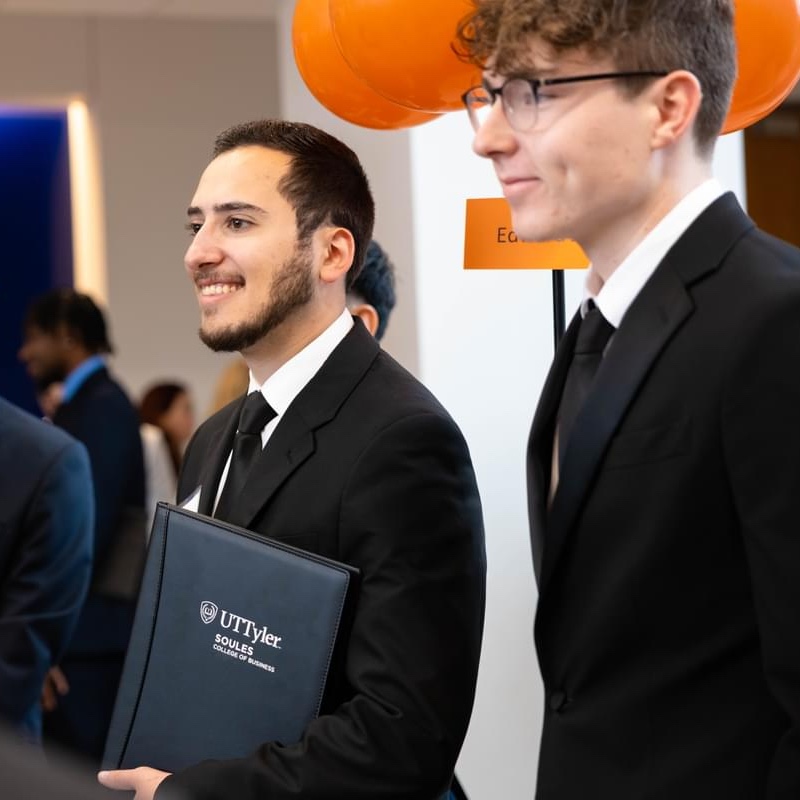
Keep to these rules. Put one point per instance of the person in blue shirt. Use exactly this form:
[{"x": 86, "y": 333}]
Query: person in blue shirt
[{"x": 66, "y": 341}]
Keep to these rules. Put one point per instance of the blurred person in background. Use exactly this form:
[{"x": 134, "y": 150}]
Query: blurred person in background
[
  {"x": 49, "y": 399},
  {"x": 46, "y": 532},
  {"x": 231, "y": 384},
  {"x": 167, "y": 423},
  {"x": 66, "y": 341},
  {"x": 372, "y": 296}
]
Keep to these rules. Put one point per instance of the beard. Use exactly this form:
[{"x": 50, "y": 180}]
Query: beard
[{"x": 291, "y": 289}]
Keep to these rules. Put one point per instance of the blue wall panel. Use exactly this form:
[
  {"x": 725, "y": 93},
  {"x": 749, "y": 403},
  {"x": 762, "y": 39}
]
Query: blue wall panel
[{"x": 35, "y": 229}]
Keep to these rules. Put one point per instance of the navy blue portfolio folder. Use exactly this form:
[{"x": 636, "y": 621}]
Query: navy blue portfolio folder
[{"x": 231, "y": 646}]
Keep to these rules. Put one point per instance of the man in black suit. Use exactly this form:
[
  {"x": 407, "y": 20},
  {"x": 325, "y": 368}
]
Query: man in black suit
[
  {"x": 46, "y": 530},
  {"x": 65, "y": 340},
  {"x": 359, "y": 463},
  {"x": 664, "y": 457}
]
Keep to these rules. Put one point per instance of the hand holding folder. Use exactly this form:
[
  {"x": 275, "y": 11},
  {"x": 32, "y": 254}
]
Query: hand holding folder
[{"x": 232, "y": 644}]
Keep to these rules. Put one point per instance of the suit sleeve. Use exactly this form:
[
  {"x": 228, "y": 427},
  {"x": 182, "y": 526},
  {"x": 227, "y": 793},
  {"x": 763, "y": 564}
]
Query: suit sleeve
[
  {"x": 761, "y": 434},
  {"x": 109, "y": 430},
  {"x": 43, "y": 592},
  {"x": 410, "y": 518}
]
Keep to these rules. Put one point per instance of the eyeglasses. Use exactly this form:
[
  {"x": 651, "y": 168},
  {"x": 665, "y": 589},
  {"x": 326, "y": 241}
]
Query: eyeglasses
[{"x": 520, "y": 96}]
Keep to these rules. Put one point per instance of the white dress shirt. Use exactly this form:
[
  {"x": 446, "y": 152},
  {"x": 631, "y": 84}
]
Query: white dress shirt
[
  {"x": 281, "y": 388},
  {"x": 629, "y": 278}
]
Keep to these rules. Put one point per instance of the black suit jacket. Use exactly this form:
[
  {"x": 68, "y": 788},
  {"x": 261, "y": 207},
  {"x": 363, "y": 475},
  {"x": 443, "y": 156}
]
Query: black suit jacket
[
  {"x": 668, "y": 562},
  {"x": 46, "y": 531},
  {"x": 101, "y": 416},
  {"x": 367, "y": 468}
]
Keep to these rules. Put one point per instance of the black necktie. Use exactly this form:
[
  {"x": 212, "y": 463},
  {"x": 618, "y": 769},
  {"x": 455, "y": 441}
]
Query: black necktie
[
  {"x": 256, "y": 413},
  {"x": 593, "y": 336}
]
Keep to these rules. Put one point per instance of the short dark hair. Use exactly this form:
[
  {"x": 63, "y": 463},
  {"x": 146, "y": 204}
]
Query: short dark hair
[
  {"x": 375, "y": 285},
  {"x": 77, "y": 312},
  {"x": 325, "y": 184},
  {"x": 696, "y": 35}
]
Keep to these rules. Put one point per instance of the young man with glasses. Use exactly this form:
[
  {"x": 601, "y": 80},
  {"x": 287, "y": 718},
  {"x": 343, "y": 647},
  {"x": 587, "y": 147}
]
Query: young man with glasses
[{"x": 664, "y": 458}]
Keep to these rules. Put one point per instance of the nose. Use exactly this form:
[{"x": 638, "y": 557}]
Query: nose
[
  {"x": 495, "y": 136},
  {"x": 203, "y": 250}
]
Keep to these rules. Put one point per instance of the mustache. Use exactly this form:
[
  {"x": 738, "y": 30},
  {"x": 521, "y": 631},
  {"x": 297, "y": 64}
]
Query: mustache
[{"x": 217, "y": 276}]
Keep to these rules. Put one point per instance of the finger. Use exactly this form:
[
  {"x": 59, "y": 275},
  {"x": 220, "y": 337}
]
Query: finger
[
  {"x": 118, "y": 778},
  {"x": 59, "y": 680},
  {"x": 49, "y": 702}
]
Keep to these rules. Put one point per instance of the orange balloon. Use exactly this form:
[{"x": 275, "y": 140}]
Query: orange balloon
[
  {"x": 768, "y": 42},
  {"x": 402, "y": 49},
  {"x": 333, "y": 82}
]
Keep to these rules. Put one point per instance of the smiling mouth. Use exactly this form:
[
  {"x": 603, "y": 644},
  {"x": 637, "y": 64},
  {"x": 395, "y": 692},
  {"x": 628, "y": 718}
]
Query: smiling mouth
[{"x": 212, "y": 289}]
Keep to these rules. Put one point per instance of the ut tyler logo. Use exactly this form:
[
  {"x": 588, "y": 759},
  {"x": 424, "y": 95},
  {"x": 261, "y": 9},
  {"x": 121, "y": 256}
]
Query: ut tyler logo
[{"x": 208, "y": 611}]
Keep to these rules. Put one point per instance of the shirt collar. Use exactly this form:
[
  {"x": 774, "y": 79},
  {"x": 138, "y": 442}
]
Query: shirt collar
[
  {"x": 79, "y": 376},
  {"x": 281, "y": 388},
  {"x": 628, "y": 279}
]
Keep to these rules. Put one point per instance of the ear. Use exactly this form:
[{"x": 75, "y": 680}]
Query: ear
[
  {"x": 368, "y": 315},
  {"x": 339, "y": 249},
  {"x": 678, "y": 97}
]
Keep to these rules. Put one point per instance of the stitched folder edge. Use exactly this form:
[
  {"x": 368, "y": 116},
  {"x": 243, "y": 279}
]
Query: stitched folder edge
[
  {"x": 151, "y": 637},
  {"x": 345, "y": 600},
  {"x": 332, "y": 644}
]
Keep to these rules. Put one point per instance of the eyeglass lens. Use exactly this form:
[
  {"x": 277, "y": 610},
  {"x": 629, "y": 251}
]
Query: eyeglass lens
[
  {"x": 519, "y": 104},
  {"x": 517, "y": 97}
]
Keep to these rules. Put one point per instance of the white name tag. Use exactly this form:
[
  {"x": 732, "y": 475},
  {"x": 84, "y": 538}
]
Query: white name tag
[{"x": 192, "y": 502}]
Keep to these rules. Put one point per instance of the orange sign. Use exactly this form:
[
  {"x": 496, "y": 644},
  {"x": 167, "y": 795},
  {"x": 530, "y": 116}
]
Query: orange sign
[{"x": 490, "y": 242}]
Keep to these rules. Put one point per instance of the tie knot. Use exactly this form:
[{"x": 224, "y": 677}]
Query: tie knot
[
  {"x": 256, "y": 413},
  {"x": 594, "y": 332}
]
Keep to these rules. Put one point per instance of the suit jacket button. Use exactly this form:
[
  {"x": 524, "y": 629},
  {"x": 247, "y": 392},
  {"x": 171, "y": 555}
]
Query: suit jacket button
[{"x": 558, "y": 700}]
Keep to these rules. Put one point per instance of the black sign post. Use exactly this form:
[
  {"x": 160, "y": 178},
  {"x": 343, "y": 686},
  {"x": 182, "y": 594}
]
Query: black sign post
[{"x": 559, "y": 306}]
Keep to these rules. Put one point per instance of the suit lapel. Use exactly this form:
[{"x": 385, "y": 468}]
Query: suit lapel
[
  {"x": 655, "y": 316},
  {"x": 662, "y": 306},
  {"x": 317, "y": 404},
  {"x": 540, "y": 442}
]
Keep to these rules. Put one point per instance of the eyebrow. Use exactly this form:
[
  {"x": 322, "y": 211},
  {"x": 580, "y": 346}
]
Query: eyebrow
[
  {"x": 222, "y": 208},
  {"x": 534, "y": 73},
  {"x": 531, "y": 73}
]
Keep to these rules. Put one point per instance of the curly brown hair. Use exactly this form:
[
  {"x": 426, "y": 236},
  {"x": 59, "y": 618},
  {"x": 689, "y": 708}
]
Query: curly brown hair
[{"x": 638, "y": 35}]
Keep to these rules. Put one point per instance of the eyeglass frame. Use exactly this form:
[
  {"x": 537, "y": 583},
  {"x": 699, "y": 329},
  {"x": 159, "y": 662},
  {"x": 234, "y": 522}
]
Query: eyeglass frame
[{"x": 537, "y": 83}]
